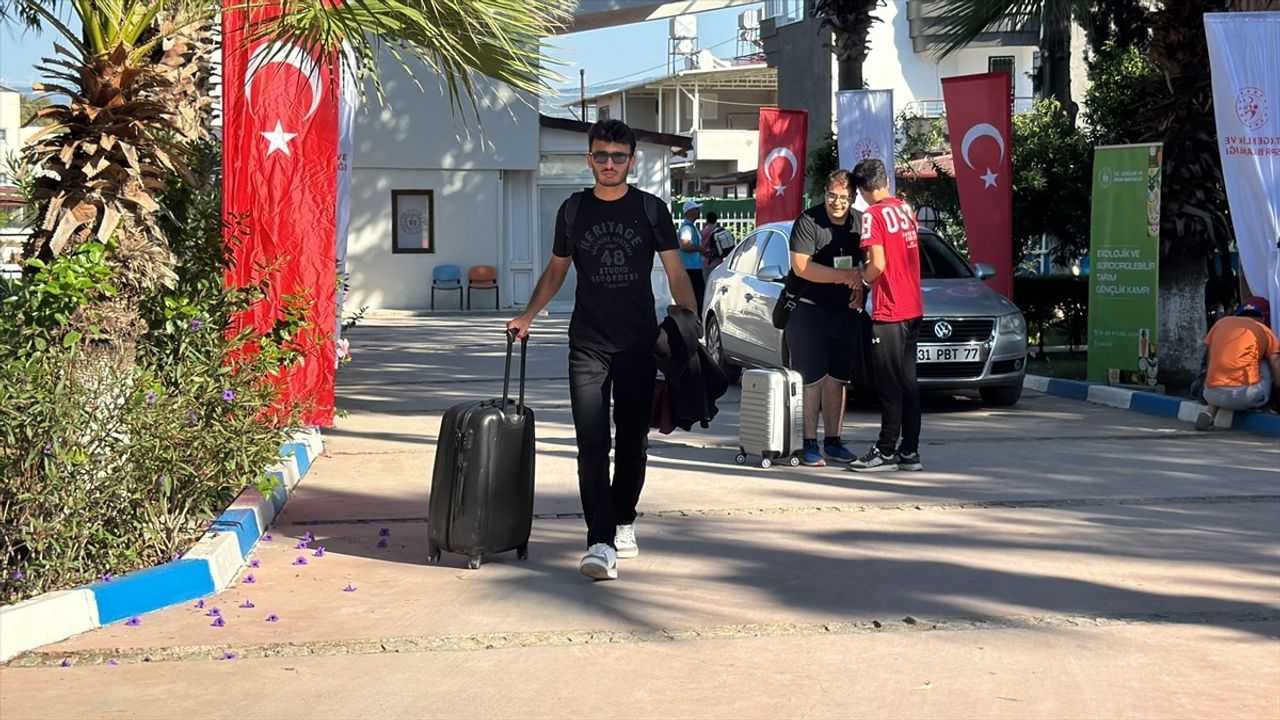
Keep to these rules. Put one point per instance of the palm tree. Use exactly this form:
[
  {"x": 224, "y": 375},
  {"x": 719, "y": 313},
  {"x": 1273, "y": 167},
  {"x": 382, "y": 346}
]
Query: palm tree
[
  {"x": 137, "y": 80},
  {"x": 965, "y": 20},
  {"x": 850, "y": 21}
]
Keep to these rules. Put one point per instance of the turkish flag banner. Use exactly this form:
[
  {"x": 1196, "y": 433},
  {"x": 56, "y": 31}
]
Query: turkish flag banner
[
  {"x": 780, "y": 174},
  {"x": 980, "y": 125},
  {"x": 280, "y": 189}
]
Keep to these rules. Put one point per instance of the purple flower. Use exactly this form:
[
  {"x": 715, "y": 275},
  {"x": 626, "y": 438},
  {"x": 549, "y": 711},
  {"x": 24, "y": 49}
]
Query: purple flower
[
  {"x": 300, "y": 561},
  {"x": 195, "y": 324},
  {"x": 384, "y": 532},
  {"x": 228, "y": 395},
  {"x": 218, "y": 622},
  {"x": 273, "y": 618},
  {"x": 176, "y": 556},
  {"x": 246, "y": 605},
  {"x": 249, "y": 579},
  {"x": 134, "y": 621},
  {"x": 267, "y": 538},
  {"x": 214, "y": 612},
  {"x": 319, "y": 551},
  {"x": 308, "y": 537},
  {"x": 199, "y": 605},
  {"x": 349, "y": 588},
  {"x": 382, "y": 543},
  {"x": 112, "y": 661},
  {"x": 151, "y": 396},
  {"x": 255, "y": 563},
  {"x": 66, "y": 662},
  {"x": 106, "y": 577},
  {"x": 192, "y": 418},
  {"x": 302, "y": 544},
  {"x": 18, "y": 575},
  {"x": 48, "y": 450},
  {"x": 228, "y": 655}
]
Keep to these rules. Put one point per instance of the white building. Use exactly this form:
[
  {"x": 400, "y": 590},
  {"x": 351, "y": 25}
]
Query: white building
[
  {"x": 467, "y": 198},
  {"x": 10, "y": 131}
]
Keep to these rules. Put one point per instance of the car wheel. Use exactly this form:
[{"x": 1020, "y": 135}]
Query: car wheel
[
  {"x": 1001, "y": 395},
  {"x": 715, "y": 346}
]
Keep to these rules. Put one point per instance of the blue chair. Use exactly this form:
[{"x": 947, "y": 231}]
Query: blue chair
[{"x": 446, "y": 278}]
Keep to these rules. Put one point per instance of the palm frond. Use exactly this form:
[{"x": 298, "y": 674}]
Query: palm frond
[
  {"x": 457, "y": 39},
  {"x": 965, "y": 20}
]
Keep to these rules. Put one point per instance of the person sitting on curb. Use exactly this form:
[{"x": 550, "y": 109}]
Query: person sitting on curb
[{"x": 1244, "y": 362}]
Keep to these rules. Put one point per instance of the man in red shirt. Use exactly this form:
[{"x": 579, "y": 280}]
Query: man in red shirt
[{"x": 891, "y": 242}]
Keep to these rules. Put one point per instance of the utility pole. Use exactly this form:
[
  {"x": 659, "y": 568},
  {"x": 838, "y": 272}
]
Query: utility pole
[{"x": 582, "y": 91}]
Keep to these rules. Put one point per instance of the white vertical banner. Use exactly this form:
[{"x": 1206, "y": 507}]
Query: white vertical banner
[
  {"x": 1244, "y": 55},
  {"x": 348, "y": 100},
  {"x": 864, "y": 129}
]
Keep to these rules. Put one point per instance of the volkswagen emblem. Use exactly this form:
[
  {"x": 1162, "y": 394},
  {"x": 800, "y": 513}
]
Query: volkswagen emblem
[{"x": 942, "y": 329}]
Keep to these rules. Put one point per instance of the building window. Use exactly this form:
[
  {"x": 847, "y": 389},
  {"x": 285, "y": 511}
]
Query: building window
[
  {"x": 413, "y": 221},
  {"x": 784, "y": 12},
  {"x": 1000, "y": 63},
  {"x": 602, "y": 112},
  {"x": 4, "y": 136}
]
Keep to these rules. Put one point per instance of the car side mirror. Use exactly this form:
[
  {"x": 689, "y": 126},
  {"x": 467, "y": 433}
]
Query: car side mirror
[
  {"x": 771, "y": 273},
  {"x": 984, "y": 270}
]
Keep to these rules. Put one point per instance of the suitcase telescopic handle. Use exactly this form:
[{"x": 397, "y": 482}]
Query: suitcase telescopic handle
[{"x": 506, "y": 378}]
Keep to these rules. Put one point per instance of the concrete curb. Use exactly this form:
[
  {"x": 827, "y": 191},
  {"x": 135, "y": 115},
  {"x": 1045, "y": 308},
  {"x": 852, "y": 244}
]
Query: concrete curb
[
  {"x": 209, "y": 566},
  {"x": 1152, "y": 404}
]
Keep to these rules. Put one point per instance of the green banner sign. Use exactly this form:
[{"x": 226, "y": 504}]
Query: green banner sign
[{"x": 1124, "y": 260}]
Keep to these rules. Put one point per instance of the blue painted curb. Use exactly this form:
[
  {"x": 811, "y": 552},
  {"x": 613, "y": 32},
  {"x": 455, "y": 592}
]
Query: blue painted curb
[
  {"x": 1147, "y": 403},
  {"x": 208, "y": 566}
]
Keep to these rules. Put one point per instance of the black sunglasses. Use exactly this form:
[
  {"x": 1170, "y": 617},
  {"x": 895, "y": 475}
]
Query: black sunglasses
[{"x": 618, "y": 158}]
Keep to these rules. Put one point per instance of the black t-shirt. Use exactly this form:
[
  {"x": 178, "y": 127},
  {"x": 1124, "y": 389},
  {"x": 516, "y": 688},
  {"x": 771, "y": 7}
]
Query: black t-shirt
[
  {"x": 613, "y": 247},
  {"x": 815, "y": 235}
]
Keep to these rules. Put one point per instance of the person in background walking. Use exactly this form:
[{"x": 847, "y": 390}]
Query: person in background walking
[
  {"x": 892, "y": 244},
  {"x": 711, "y": 258},
  {"x": 691, "y": 249},
  {"x": 610, "y": 236}
]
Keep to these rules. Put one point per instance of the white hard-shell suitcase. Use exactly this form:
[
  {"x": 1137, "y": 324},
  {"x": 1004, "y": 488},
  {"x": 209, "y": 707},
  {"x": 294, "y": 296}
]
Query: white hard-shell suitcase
[{"x": 771, "y": 422}]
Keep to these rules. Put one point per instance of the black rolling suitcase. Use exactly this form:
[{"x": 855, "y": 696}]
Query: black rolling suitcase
[{"x": 482, "y": 488}]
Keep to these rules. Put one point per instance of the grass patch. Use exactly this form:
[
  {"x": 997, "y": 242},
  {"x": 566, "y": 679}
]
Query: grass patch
[{"x": 1062, "y": 365}]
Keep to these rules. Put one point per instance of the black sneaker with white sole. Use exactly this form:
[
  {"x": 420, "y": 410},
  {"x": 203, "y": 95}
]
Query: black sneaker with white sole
[
  {"x": 875, "y": 461},
  {"x": 909, "y": 461}
]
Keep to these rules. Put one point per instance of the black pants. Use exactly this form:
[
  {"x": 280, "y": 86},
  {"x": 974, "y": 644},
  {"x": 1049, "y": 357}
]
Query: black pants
[
  {"x": 699, "y": 286},
  {"x": 595, "y": 377},
  {"x": 893, "y": 364}
]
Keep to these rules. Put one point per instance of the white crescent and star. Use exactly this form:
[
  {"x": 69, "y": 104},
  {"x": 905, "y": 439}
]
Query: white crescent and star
[
  {"x": 975, "y": 132},
  {"x": 274, "y": 52},
  {"x": 785, "y": 154}
]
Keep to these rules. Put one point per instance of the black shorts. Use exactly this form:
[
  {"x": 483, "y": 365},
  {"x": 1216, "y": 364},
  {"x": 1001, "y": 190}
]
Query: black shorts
[{"x": 823, "y": 342}]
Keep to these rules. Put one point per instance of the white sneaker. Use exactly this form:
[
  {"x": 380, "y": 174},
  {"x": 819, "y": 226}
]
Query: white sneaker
[
  {"x": 600, "y": 563},
  {"x": 625, "y": 540}
]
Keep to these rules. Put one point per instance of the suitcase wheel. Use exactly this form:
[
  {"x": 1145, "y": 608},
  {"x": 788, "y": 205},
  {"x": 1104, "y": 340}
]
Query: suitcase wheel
[
  {"x": 473, "y": 562},
  {"x": 794, "y": 461},
  {"x": 766, "y": 463},
  {"x": 433, "y": 553},
  {"x": 522, "y": 552},
  {"x": 741, "y": 459}
]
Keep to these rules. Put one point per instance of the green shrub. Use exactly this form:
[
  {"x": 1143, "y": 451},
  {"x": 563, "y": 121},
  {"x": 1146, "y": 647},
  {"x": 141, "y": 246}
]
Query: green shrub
[
  {"x": 112, "y": 462},
  {"x": 1053, "y": 301}
]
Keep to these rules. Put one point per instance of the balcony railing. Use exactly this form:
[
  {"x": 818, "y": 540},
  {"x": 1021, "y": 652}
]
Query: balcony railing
[{"x": 938, "y": 108}]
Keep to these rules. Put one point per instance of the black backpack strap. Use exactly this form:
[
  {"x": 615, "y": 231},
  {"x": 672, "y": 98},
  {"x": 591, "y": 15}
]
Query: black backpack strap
[
  {"x": 651, "y": 212},
  {"x": 571, "y": 213}
]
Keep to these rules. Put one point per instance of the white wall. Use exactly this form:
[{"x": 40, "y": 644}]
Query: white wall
[
  {"x": 467, "y": 225},
  {"x": 10, "y": 128},
  {"x": 739, "y": 147},
  {"x": 893, "y": 64}
]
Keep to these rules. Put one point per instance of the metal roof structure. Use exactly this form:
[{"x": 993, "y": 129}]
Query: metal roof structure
[{"x": 756, "y": 76}]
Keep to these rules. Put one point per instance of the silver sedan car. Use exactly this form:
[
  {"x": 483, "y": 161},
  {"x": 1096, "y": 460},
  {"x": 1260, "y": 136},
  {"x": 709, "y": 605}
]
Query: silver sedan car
[{"x": 972, "y": 338}]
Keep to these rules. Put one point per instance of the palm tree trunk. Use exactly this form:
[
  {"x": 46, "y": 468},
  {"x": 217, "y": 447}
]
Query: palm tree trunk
[
  {"x": 850, "y": 74},
  {"x": 1055, "y": 62}
]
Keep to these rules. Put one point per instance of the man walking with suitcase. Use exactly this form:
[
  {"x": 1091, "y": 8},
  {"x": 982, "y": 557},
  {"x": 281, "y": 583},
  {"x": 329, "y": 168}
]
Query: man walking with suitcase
[
  {"x": 892, "y": 244},
  {"x": 610, "y": 234}
]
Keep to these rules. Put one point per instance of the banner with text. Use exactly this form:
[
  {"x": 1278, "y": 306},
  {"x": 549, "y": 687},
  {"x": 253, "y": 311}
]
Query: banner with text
[
  {"x": 1244, "y": 54},
  {"x": 1124, "y": 261},
  {"x": 864, "y": 130}
]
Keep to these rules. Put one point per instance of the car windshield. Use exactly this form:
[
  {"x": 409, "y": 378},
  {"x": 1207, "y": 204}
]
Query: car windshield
[{"x": 940, "y": 261}]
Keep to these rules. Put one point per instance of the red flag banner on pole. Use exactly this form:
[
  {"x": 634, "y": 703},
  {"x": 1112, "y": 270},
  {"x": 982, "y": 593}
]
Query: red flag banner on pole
[
  {"x": 280, "y": 173},
  {"x": 780, "y": 174},
  {"x": 980, "y": 124}
]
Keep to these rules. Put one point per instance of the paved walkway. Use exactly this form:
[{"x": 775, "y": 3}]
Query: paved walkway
[{"x": 1056, "y": 559}]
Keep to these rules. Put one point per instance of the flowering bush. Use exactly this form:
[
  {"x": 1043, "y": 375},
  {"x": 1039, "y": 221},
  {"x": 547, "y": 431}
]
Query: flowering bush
[{"x": 113, "y": 462}]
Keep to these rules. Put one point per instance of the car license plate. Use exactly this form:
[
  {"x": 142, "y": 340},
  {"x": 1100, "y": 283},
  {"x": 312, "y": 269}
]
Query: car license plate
[{"x": 948, "y": 353}]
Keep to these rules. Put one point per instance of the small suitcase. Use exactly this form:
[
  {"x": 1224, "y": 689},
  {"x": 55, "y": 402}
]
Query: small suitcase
[
  {"x": 771, "y": 422},
  {"x": 482, "y": 488}
]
